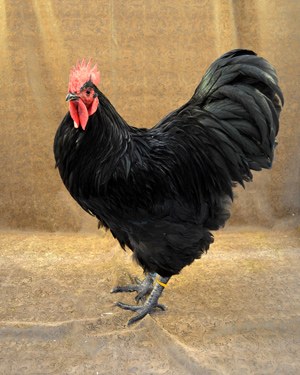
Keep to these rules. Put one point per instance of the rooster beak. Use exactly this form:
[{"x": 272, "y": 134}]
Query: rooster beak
[{"x": 71, "y": 96}]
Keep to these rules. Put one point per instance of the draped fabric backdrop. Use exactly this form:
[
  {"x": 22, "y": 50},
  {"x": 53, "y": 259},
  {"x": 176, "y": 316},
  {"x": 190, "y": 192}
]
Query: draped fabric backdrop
[{"x": 151, "y": 55}]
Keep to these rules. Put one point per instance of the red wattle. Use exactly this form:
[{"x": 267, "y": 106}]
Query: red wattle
[
  {"x": 80, "y": 114},
  {"x": 73, "y": 112}
]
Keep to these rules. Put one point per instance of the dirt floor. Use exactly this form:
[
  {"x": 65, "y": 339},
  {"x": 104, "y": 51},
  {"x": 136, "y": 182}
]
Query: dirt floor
[{"x": 235, "y": 311}]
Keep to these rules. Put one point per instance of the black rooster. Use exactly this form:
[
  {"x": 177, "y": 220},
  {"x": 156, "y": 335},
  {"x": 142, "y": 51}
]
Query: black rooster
[{"x": 162, "y": 190}]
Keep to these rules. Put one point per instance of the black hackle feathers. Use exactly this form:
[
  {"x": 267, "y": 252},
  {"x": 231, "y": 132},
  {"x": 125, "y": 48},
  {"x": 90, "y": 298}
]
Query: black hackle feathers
[{"x": 161, "y": 190}]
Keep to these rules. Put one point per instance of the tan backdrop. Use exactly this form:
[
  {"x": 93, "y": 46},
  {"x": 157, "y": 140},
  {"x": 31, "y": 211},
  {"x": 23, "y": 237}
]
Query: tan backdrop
[{"x": 152, "y": 55}]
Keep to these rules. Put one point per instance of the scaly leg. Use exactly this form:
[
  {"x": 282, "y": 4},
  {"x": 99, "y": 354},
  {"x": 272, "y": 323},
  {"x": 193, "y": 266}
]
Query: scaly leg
[
  {"x": 142, "y": 288},
  {"x": 150, "y": 304}
]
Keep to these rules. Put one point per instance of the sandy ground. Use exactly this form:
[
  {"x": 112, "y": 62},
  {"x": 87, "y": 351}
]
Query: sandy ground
[{"x": 235, "y": 311}]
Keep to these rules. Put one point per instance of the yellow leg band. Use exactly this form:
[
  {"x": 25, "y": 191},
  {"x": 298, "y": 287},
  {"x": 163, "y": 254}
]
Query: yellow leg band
[{"x": 160, "y": 283}]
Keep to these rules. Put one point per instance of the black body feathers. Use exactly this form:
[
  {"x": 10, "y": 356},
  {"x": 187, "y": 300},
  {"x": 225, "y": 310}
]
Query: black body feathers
[{"x": 161, "y": 190}]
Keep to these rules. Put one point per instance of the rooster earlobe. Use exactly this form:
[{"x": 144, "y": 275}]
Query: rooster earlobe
[{"x": 93, "y": 107}]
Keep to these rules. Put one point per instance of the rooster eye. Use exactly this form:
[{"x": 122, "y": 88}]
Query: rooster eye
[{"x": 88, "y": 92}]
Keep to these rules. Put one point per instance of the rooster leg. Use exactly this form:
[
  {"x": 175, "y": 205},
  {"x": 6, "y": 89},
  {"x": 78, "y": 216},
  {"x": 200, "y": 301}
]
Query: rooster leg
[
  {"x": 141, "y": 287},
  {"x": 150, "y": 304}
]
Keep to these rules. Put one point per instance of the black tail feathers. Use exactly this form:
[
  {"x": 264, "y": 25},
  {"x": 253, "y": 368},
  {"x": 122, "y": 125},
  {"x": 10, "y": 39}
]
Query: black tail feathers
[{"x": 240, "y": 92}]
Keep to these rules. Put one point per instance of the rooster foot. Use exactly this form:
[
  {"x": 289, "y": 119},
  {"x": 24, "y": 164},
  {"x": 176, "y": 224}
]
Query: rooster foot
[
  {"x": 150, "y": 304},
  {"x": 143, "y": 288}
]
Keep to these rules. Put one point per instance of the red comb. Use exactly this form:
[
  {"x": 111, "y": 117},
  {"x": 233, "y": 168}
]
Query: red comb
[{"x": 82, "y": 73}]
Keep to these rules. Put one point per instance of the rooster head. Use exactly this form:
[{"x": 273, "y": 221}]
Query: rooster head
[{"x": 82, "y": 96}]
